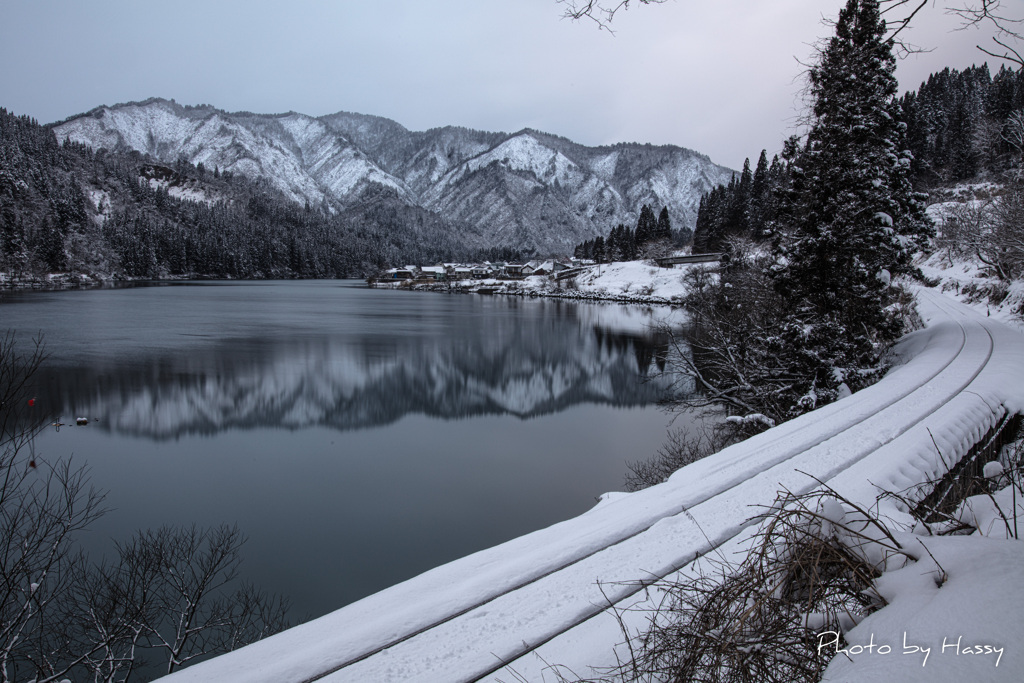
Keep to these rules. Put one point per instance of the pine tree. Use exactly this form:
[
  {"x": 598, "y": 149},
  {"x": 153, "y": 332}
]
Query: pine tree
[
  {"x": 629, "y": 244},
  {"x": 646, "y": 226},
  {"x": 709, "y": 233},
  {"x": 739, "y": 208},
  {"x": 759, "y": 190},
  {"x": 664, "y": 230},
  {"x": 702, "y": 227},
  {"x": 853, "y": 220}
]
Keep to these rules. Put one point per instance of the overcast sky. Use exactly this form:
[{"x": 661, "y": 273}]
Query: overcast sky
[{"x": 718, "y": 76}]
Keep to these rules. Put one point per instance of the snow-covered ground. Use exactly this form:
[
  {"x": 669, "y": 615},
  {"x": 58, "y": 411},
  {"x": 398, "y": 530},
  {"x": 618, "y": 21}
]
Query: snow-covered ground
[
  {"x": 968, "y": 282},
  {"x": 470, "y": 619},
  {"x": 624, "y": 282},
  {"x": 966, "y": 279}
]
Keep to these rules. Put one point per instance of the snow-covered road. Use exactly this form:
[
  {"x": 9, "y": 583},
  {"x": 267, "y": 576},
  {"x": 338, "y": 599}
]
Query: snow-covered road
[{"x": 542, "y": 598}]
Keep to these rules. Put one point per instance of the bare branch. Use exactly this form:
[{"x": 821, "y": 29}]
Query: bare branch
[
  {"x": 1009, "y": 55},
  {"x": 988, "y": 11},
  {"x": 599, "y": 11}
]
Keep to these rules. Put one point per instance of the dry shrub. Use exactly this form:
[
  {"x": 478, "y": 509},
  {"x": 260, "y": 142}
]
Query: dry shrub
[
  {"x": 810, "y": 570},
  {"x": 683, "y": 446}
]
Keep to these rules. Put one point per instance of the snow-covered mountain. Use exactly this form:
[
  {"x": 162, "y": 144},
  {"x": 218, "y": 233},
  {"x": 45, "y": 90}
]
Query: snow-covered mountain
[{"x": 526, "y": 189}]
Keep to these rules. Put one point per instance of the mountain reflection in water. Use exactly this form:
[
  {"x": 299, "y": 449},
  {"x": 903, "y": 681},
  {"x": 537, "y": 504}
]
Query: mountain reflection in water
[
  {"x": 222, "y": 402},
  {"x": 443, "y": 361}
]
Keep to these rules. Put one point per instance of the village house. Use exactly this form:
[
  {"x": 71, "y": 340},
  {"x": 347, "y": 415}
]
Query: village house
[
  {"x": 407, "y": 273},
  {"x": 433, "y": 273}
]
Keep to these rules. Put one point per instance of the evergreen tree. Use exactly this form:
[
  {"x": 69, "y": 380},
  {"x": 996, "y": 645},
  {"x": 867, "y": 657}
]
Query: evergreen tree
[
  {"x": 759, "y": 189},
  {"x": 709, "y": 233},
  {"x": 646, "y": 226},
  {"x": 702, "y": 226},
  {"x": 852, "y": 218},
  {"x": 628, "y": 244},
  {"x": 664, "y": 230},
  {"x": 739, "y": 206}
]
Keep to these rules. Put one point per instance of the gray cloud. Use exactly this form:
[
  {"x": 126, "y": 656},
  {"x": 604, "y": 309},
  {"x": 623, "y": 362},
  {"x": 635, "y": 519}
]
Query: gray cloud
[{"x": 720, "y": 77}]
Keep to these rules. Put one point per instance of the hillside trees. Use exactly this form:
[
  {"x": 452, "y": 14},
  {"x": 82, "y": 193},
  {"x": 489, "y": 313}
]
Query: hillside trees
[
  {"x": 745, "y": 208},
  {"x": 992, "y": 232},
  {"x": 64, "y": 207},
  {"x": 650, "y": 238},
  {"x": 852, "y": 220},
  {"x": 963, "y": 124},
  {"x": 786, "y": 329}
]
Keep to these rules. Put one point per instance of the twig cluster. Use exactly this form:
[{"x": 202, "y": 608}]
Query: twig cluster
[{"x": 809, "y": 570}]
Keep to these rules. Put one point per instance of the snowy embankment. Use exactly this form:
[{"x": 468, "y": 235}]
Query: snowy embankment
[
  {"x": 967, "y": 278},
  {"x": 540, "y": 600},
  {"x": 968, "y": 282}
]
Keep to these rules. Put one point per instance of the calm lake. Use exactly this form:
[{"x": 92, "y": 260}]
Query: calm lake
[{"x": 357, "y": 436}]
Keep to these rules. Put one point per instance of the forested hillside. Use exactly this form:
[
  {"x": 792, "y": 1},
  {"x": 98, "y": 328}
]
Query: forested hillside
[
  {"x": 524, "y": 190},
  {"x": 961, "y": 126},
  {"x": 64, "y": 207}
]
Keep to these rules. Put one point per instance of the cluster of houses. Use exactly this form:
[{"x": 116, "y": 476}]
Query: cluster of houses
[{"x": 485, "y": 270}]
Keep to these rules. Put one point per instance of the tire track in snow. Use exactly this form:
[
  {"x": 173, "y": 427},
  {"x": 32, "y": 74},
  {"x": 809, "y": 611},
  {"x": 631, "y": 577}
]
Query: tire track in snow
[
  {"x": 639, "y": 586},
  {"x": 801, "y": 445}
]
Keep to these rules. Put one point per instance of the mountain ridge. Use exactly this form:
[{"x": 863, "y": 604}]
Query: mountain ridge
[{"x": 527, "y": 189}]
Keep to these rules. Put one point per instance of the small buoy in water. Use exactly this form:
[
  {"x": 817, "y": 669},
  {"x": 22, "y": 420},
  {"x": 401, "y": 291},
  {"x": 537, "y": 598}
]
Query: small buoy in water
[
  {"x": 31, "y": 402},
  {"x": 81, "y": 421}
]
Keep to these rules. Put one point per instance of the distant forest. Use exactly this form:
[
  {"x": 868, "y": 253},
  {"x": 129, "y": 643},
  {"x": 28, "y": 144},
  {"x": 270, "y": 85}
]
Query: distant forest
[
  {"x": 961, "y": 126},
  {"x": 67, "y": 208},
  {"x": 650, "y": 238}
]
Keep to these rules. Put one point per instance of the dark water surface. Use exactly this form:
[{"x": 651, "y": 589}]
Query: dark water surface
[{"x": 357, "y": 436}]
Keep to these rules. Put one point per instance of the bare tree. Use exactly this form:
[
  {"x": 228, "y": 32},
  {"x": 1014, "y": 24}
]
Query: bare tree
[
  {"x": 989, "y": 231},
  {"x": 195, "y": 611},
  {"x": 962, "y": 227},
  {"x": 1003, "y": 248},
  {"x": 1013, "y": 135},
  {"x": 172, "y": 596},
  {"x": 683, "y": 446},
  {"x": 731, "y": 352},
  {"x": 1008, "y": 29},
  {"x": 172, "y": 592},
  {"x": 42, "y": 506}
]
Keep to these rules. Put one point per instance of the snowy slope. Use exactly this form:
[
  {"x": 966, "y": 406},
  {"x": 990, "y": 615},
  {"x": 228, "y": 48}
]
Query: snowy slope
[
  {"x": 964, "y": 276},
  {"x": 298, "y": 154},
  {"x": 469, "y": 619},
  {"x": 528, "y": 189}
]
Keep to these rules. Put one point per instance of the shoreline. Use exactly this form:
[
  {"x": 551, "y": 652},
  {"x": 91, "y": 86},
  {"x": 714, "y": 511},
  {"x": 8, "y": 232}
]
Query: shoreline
[
  {"x": 510, "y": 289},
  {"x": 628, "y": 282},
  {"x": 623, "y": 282}
]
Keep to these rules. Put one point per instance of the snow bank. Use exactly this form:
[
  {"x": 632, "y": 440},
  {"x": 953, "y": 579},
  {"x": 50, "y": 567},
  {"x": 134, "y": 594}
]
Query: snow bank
[
  {"x": 969, "y": 628},
  {"x": 629, "y": 282}
]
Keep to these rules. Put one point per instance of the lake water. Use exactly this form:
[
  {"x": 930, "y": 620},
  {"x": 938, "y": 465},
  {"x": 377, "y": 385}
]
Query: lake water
[{"x": 357, "y": 436}]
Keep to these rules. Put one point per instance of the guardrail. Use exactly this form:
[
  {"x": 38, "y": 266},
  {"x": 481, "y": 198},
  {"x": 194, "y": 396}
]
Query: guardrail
[{"x": 669, "y": 261}]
